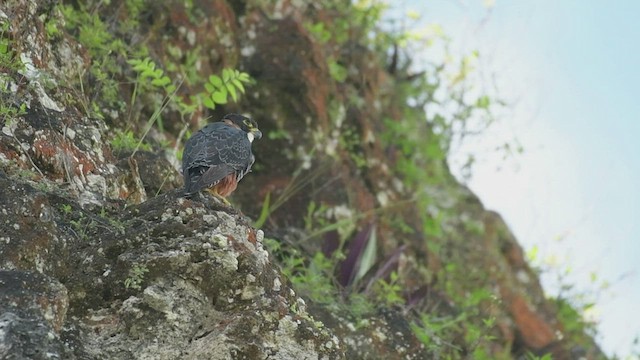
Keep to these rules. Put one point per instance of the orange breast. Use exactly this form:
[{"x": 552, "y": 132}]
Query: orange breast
[{"x": 226, "y": 186}]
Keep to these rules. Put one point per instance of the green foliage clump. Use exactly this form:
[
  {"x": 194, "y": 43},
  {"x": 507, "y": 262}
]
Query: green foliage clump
[
  {"x": 313, "y": 279},
  {"x": 147, "y": 70},
  {"x": 572, "y": 319},
  {"x": 435, "y": 331},
  {"x": 9, "y": 59},
  {"x": 9, "y": 113},
  {"x": 127, "y": 141},
  {"x": 220, "y": 88},
  {"x": 156, "y": 85},
  {"x": 136, "y": 277},
  {"x": 84, "y": 22},
  {"x": 310, "y": 278},
  {"x": 573, "y": 306},
  {"x": 389, "y": 292},
  {"x": 217, "y": 91},
  {"x": 9, "y": 63}
]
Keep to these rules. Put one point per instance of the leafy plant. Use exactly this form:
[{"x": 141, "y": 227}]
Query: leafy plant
[
  {"x": 264, "y": 212},
  {"x": 82, "y": 225},
  {"x": 573, "y": 306},
  {"x": 101, "y": 82},
  {"x": 83, "y": 21},
  {"x": 136, "y": 277},
  {"x": 433, "y": 332},
  {"x": 315, "y": 216},
  {"x": 531, "y": 356},
  {"x": 126, "y": 140},
  {"x": 147, "y": 70},
  {"x": 337, "y": 71},
  {"x": 389, "y": 293},
  {"x": 219, "y": 88},
  {"x": 319, "y": 31},
  {"x": 10, "y": 62},
  {"x": 8, "y": 57},
  {"x": 150, "y": 74},
  {"x": 9, "y": 113},
  {"x": 311, "y": 277}
]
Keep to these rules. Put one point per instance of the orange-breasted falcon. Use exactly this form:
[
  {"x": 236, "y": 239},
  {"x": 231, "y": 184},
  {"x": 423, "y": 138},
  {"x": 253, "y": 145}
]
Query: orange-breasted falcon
[{"x": 217, "y": 156}]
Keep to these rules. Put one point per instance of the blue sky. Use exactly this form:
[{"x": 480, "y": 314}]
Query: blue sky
[{"x": 571, "y": 69}]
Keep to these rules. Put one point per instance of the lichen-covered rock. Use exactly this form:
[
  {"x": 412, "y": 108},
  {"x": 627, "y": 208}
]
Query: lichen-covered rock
[
  {"x": 33, "y": 308},
  {"x": 384, "y": 334},
  {"x": 169, "y": 278}
]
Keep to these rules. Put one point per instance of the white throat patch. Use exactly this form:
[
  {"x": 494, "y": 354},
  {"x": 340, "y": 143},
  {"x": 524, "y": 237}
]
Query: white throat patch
[{"x": 250, "y": 136}]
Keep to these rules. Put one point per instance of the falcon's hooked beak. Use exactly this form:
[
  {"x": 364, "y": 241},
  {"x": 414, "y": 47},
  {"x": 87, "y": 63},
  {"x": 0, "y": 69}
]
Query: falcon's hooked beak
[{"x": 254, "y": 134}]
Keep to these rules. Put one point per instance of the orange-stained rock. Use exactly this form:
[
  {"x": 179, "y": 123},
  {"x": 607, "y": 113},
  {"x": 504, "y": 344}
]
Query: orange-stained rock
[{"x": 535, "y": 332}]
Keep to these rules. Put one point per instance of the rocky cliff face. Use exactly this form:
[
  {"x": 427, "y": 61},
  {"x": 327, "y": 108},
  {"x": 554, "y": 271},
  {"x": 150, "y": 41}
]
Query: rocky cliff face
[
  {"x": 375, "y": 251},
  {"x": 167, "y": 279}
]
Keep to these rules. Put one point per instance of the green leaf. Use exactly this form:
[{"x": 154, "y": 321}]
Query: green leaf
[
  {"x": 264, "y": 213},
  {"x": 145, "y": 65},
  {"x": 210, "y": 88},
  {"x": 337, "y": 71},
  {"x": 161, "y": 82},
  {"x": 209, "y": 103},
  {"x": 226, "y": 74},
  {"x": 232, "y": 92},
  {"x": 187, "y": 108},
  {"x": 368, "y": 257},
  {"x": 215, "y": 81},
  {"x": 149, "y": 73},
  {"x": 220, "y": 97},
  {"x": 483, "y": 102},
  {"x": 238, "y": 85}
]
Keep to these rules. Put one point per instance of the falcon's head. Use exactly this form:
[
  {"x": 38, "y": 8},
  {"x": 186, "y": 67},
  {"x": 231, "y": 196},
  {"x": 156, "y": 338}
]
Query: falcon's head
[{"x": 245, "y": 124}]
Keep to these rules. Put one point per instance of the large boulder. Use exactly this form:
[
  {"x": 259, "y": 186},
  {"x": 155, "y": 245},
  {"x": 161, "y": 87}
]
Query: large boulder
[{"x": 169, "y": 278}]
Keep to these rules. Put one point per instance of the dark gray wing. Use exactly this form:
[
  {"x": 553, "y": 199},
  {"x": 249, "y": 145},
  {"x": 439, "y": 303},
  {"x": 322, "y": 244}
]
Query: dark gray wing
[{"x": 214, "y": 152}]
